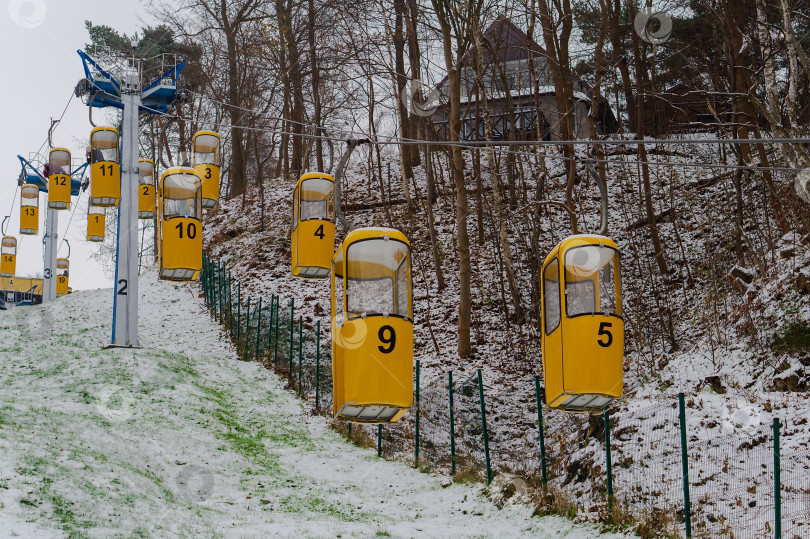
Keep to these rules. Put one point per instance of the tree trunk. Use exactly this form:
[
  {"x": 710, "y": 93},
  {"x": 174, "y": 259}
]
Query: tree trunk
[{"x": 316, "y": 84}]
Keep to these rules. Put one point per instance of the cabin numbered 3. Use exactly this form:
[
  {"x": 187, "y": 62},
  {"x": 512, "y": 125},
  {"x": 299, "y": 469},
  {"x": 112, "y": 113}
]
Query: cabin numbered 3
[
  {"x": 8, "y": 256},
  {"x": 105, "y": 167},
  {"x": 59, "y": 179},
  {"x": 583, "y": 330},
  {"x": 205, "y": 160},
  {"x": 62, "y": 274},
  {"x": 29, "y": 209},
  {"x": 96, "y": 223},
  {"x": 180, "y": 225},
  {"x": 372, "y": 328},
  {"x": 146, "y": 189},
  {"x": 313, "y": 234}
]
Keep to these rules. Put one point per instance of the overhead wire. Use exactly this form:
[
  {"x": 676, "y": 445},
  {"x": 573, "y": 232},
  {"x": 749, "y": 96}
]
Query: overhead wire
[{"x": 473, "y": 145}]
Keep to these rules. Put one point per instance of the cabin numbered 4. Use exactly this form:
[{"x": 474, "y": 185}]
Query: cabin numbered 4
[
  {"x": 313, "y": 233},
  {"x": 583, "y": 329},
  {"x": 180, "y": 225},
  {"x": 372, "y": 328}
]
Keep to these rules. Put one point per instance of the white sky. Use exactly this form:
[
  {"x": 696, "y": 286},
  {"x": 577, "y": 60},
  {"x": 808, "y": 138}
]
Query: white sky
[{"x": 41, "y": 68}]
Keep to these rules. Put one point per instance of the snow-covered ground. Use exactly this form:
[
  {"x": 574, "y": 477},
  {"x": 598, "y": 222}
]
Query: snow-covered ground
[{"x": 180, "y": 438}]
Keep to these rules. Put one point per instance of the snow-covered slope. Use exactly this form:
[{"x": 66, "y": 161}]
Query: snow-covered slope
[{"x": 180, "y": 438}]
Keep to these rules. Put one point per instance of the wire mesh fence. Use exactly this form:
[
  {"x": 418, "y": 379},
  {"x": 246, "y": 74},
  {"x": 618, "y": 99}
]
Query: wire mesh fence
[{"x": 662, "y": 464}]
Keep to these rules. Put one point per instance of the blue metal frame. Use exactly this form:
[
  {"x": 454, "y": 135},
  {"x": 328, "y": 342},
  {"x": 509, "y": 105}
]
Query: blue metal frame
[{"x": 35, "y": 177}]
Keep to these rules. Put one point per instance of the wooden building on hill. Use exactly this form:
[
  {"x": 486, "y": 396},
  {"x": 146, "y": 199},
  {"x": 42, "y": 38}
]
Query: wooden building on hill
[{"x": 520, "y": 92}]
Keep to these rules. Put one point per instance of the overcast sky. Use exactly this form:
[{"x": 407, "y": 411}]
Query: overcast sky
[{"x": 40, "y": 67}]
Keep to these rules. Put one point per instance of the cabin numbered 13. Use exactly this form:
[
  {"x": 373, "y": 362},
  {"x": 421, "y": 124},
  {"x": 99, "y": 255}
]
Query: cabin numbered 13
[
  {"x": 180, "y": 224},
  {"x": 8, "y": 256},
  {"x": 205, "y": 160},
  {"x": 583, "y": 330},
  {"x": 29, "y": 209},
  {"x": 372, "y": 328},
  {"x": 105, "y": 168},
  {"x": 62, "y": 274},
  {"x": 59, "y": 179},
  {"x": 313, "y": 234}
]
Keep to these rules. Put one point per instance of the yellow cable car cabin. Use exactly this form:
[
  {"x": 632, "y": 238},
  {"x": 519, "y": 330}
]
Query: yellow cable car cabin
[
  {"x": 146, "y": 189},
  {"x": 8, "y": 256},
  {"x": 96, "y": 223},
  {"x": 372, "y": 329},
  {"x": 583, "y": 330},
  {"x": 105, "y": 167},
  {"x": 62, "y": 273},
  {"x": 313, "y": 235},
  {"x": 59, "y": 179},
  {"x": 181, "y": 231},
  {"x": 29, "y": 209},
  {"x": 205, "y": 160}
]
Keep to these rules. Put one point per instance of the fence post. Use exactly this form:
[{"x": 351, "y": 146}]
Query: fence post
[
  {"x": 318, "y": 366},
  {"x": 258, "y": 329},
  {"x": 484, "y": 425},
  {"x": 247, "y": 326},
  {"x": 608, "y": 462},
  {"x": 687, "y": 507},
  {"x": 202, "y": 279},
  {"x": 238, "y": 313},
  {"x": 220, "y": 279},
  {"x": 270, "y": 327},
  {"x": 543, "y": 475},
  {"x": 416, "y": 421},
  {"x": 452, "y": 424},
  {"x": 278, "y": 316},
  {"x": 379, "y": 440},
  {"x": 300, "y": 348},
  {"x": 292, "y": 329},
  {"x": 230, "y": 303},
  {"x": 777, "y": 482}
]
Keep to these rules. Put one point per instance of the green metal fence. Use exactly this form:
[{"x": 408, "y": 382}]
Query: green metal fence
[{"x": 659, "y": 463}]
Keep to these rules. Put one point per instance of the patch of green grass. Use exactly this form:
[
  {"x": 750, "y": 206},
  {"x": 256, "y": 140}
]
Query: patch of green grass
[{"x": 793, "y": 337}]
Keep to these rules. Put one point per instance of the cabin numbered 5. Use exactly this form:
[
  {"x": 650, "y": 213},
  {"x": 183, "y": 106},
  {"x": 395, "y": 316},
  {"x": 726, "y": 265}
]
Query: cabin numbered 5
[
  {"x": 583, "y": 329},
  {"x": 372, "y": 328},
  {"x": 313, "y": 233},
  {"x": 180, "y": 225}
]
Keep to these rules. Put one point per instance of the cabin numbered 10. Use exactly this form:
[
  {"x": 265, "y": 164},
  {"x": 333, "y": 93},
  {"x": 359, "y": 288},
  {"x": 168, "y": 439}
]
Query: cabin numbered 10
[
  {"x": 372, "y": 327},
  {"x": 313, "y": 233},
  {"x": 583, "y": 330},
  {"x": 180, "y": 225}
]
